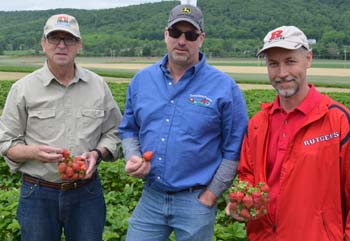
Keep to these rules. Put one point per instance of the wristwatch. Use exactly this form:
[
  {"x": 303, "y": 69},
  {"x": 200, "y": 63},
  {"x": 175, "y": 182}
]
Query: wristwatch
[{"x": 99, "y": 155}]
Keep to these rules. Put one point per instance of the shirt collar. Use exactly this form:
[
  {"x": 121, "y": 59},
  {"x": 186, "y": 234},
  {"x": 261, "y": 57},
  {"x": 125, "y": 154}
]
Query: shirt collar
[
  {"x": 312, "y": 98},
  {"x": 49, "y": 77}
]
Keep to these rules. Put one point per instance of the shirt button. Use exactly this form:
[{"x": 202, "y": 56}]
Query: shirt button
[
  {"x": 172, "y": 101},
  {"x": 159, "y": 158},
  {"x": 158, "y": 178},
  {"x": 170, "y": 83},
  {"x": 284, "y": 135},
  {"x": 163, "y": 139},
  {"x": 167, "y": 120}
]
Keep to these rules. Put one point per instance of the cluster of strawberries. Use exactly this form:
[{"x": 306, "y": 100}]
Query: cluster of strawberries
[
  {"x": 247, "y": 201},
  {"x": 71, "y": 168}
]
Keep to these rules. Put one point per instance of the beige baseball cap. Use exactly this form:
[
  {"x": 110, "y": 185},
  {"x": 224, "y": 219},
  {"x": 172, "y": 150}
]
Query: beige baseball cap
[
  {"x": 62, "y": 22},
  {"x": 287, "y": 37},
  {"x": 187, "y": 13}
]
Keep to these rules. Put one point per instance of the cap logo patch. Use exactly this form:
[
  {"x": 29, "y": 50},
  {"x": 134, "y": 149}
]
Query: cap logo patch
[
  {"x": 62, "y": 20},
  {"x": 277, "y": 35},
  {"x": 186, "y": 10}
]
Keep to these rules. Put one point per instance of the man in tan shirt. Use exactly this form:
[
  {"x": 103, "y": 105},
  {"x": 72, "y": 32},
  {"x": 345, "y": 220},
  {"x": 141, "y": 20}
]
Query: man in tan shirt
[{"x": 59, "y": 106}]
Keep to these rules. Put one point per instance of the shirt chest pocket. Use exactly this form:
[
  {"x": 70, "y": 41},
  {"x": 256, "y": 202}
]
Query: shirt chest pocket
[
  {"x": 198, "y": 120},
  {"x": 90, "y": 119},
  {"x": 42, "y": 123}
]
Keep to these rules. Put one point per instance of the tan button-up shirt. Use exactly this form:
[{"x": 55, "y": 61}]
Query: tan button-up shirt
[{"x": 41, "y": 111}]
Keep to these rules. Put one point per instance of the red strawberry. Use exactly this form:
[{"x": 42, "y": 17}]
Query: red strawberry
[
  {"x": 244, "y": 213},
  {"x": 232, "y": 196},
  {"x": 76, "y": 166},
  {"x": 258, "y": 213},
  {"x": 64, "y": 177},
  {"x": 264, "y": 187},
  {"x": 258, "y": 199},
  {"x": 239, "y": 196},
  {"x": 83, "y": 167},
  {"x": 69, "y": 171},
  {"x": 233, "y": 206},
  {"x": 256, "y": 195},
  {"x": 148, "y": 156},
  {"x": 248, "y": 201},
  {"x": 62, "y": 167},
  {"x": 75, "y": 176},
  {"x": 65, "y": 154}
]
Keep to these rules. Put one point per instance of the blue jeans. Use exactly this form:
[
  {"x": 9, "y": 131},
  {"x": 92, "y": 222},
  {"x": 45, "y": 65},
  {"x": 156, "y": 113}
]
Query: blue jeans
[
  {"x": 157, "y": 214},
  {"x": 43, "y": 212}
]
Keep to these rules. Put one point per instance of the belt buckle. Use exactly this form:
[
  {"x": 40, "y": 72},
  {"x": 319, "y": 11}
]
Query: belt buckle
[{"x": 67, "y": 186}]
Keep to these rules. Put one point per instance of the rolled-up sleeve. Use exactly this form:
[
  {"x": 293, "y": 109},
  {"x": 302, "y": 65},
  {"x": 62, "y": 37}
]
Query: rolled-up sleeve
[{"x": 12, "y": 124}]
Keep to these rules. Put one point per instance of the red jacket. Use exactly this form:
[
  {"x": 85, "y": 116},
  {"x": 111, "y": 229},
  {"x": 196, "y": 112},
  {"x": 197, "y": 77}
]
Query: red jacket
[{"x": 314, "y": 196}]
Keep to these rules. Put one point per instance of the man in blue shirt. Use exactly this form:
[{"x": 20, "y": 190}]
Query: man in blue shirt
[{"x": 192, "y": 117}]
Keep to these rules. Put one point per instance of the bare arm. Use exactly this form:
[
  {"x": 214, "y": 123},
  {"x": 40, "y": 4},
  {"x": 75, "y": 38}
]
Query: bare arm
[{"x": 22, "y": 153}]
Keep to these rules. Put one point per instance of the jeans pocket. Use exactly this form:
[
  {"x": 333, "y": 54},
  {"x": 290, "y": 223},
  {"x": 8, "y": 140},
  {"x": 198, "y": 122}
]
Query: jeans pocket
[
  {"x": 27, "y": 190},
  {"x": 93, "y": 188}
]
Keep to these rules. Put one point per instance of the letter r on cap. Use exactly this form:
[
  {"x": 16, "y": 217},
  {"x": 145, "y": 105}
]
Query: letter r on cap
[{"x": 276, "y": 34}]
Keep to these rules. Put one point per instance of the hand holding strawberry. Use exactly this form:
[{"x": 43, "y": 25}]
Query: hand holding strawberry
[
  {"x": 246, "y": 201},
  {"x": 71, "y": 168}
]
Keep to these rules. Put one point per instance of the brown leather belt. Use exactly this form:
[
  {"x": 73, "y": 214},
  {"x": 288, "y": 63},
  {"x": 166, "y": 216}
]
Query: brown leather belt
[{"x": 63, "y": 186}]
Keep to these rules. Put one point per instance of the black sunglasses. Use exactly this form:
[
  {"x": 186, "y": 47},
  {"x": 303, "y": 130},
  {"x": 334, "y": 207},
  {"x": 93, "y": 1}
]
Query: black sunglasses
[{"x": 189, "y": 35}]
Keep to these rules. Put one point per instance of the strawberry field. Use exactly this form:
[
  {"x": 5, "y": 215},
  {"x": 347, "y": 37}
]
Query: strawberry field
[{"x": 121, "y": 191}]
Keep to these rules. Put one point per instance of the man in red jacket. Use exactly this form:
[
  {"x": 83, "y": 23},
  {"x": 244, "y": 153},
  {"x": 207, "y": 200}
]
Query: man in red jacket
[{"x": 298, "y": 145}]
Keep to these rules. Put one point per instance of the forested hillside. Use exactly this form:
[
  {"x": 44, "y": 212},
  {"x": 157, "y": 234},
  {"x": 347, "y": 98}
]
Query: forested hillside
[{"x": 233, "y": 27}]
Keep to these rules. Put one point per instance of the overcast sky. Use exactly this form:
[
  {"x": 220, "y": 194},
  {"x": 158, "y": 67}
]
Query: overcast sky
[{"x": 13, "y": 5}]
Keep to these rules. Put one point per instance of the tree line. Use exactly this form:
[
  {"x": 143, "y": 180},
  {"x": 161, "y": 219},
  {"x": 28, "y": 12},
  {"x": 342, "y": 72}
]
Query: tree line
[{"x": 234, "y": 28}]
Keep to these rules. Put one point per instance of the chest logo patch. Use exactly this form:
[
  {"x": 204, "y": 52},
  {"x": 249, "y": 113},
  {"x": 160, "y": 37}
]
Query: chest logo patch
[{"x": 200, "y": 100}]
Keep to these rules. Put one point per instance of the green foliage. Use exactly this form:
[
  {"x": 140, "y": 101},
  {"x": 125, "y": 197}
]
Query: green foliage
[
  {"x": 233, "y": 27},
  {"x": 342, "y": 98},
  {"x": 9, "y": 180},
  {"x": 226, "y": 229},
  {"x": 24, "y": 69},
  {"x": 121, "y": 191},
  {"x": 9, "y": 227},
  {"x": 4, "y": 89},
  {"x": 9, "y": 193},
  {"x": 255, "y": 97},
  {"x": 119, "y": 74},
  {"x": 121, "y": 194},
  {"x": 119, "y": 93}
]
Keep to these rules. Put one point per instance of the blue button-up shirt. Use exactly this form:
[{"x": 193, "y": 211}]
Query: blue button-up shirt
[{"x": 191, "y": 126}]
